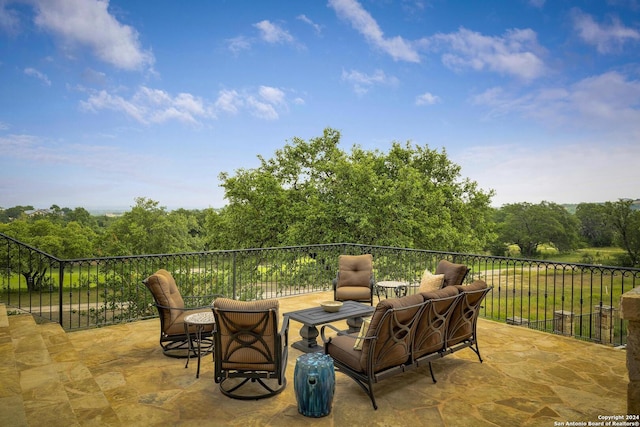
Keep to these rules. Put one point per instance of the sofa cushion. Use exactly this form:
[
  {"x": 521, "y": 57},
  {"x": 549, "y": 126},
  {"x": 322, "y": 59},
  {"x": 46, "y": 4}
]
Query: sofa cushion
[
  {"x": 454, "y": 274},
  {"x": 430, "y": 281},
  {"x": 363, "y": 333},
  {"x": 341, "y": 348},
  {"x": 441, "y": 293}
]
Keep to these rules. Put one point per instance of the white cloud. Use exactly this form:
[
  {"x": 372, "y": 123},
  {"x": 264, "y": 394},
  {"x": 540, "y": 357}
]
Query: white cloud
[
  {"x": 606, "y": 38},
  {"x": 262, "y": 110},
  {"x": 155, "y": 106},
  {"x": 427, "y": 99},
  {"x": 229, "y": 101},
  {"x": 537, "y": 3},
  {"x": 89, "y": 23},
  {"x": 559, "y": 173},
  {"x": 272, "y": 95},
  {"x": 238, "y": 44},
  {"x": 305, "y": 19},
  {"x": 516, "y": 53},
  {"x": 352, "y": 11},
  {"x": 363, "y": 82},
  {"x": 272, "y": 33},
  {"x": 9, "y": 21},
  {"x": 152, "y": 106},
  {"x": 38, "y": 75},
  {"x": 266, "y": 104},
  {"x": 606, "y": 102}
]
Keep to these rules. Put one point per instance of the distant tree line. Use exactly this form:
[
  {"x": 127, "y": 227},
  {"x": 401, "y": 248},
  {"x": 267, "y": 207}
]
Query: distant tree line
[{"x": 313, "y": 192}]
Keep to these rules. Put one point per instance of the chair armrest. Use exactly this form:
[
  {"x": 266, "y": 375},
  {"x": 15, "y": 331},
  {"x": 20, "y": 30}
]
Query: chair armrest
[
  {"x": 284, "y": 329},
  {"x": 211, "y": 298},
  {"x": 338, "y": 332},
  {"x": 322, "y": 334}
]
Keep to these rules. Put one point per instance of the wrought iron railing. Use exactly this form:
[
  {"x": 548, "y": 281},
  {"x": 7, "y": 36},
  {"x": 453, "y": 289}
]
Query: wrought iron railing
[{"x": 581, "y": 300}]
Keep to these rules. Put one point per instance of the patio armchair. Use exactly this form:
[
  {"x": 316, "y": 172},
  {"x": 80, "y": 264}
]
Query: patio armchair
[
  {"x": 249, "y": 350},
  {"x": 172, "y": 310},
  {"x": 355, "y": 279}
]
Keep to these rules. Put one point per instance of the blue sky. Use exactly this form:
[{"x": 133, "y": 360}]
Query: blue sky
[{"x": 105, "y": 101}]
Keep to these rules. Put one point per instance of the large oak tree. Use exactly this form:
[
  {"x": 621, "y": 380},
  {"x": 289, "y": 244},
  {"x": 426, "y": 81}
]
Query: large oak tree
[{"x": 313, "y": 192}]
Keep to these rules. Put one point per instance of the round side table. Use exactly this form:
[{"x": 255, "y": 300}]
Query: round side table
[
  {"x": 398, "y": 288},
  {"x": 200, "y": 320}
]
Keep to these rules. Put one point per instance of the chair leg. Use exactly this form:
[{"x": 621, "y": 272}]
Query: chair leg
[
  {"x": 433, "y": 377},
  {"x": 476, "y": 350}
]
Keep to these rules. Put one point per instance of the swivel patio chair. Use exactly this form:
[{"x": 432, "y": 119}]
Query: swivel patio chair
[
  {"x": 250, "y": 353},
  {"x": 174, "y": 340},
  {"x": 355, "y": 279}
]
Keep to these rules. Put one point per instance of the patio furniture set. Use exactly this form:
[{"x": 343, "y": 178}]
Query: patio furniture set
[{"x": 397, "y": 335}]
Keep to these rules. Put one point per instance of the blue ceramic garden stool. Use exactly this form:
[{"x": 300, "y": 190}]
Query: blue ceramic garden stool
[{"x": 315, "y": 382}]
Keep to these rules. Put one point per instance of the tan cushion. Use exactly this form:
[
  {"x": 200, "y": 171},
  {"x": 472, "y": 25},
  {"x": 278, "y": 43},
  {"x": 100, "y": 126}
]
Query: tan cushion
[
  {"x": 247, "y": 315},
  {"x": 454, "y": 274},
  {"x": 341, "y": 348},
  {"x": 354, "y": 293},
  {"x": 363, "y": 333},
  {"x": 355, "y": 270},
  {"x": 430, "y": 281},
  {"x": 165, "y": 292},
  {"x": 441, "y": 293}
]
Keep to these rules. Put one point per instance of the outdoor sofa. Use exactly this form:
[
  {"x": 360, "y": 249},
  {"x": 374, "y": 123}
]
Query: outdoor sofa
[{"x": 407, "y": 333}]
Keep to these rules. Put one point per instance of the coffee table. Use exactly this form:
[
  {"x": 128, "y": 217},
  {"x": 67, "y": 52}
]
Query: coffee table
[{"x": 312, "y": 317}]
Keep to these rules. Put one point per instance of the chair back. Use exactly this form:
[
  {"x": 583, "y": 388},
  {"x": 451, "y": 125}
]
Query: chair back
[
  {"x": 165, "y": 292},
  {"x": 392, "y": 323},
  {"x": 354, "y": 280},
  {"x": 247, "y": 335},
  {"x": 454, "y": 274},
  {"x": 431, "y": 331},
  {"x": 465, "y": 315}
]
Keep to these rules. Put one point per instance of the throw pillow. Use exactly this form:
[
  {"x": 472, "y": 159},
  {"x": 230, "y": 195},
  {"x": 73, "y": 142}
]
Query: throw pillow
[
  {"x": 363, "y": 333},
  {"x": 431, "y": 282}
]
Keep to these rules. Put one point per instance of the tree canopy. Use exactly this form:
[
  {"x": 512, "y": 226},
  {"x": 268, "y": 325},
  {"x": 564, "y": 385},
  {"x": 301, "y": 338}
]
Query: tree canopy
[
  {"x": 529, "y": 225},
  {"x": 313, "y": 192},
  {"x": 626, "y": 222}
]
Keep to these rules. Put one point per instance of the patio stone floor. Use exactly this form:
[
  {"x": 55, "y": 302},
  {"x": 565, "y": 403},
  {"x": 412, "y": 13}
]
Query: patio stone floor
[{"x": 118, "y": 376}]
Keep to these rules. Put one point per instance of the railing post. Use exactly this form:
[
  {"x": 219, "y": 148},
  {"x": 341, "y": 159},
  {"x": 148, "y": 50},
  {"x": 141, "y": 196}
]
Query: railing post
[
  {"x": 60, "y": 292},
  {"x": 630, "y": 311},
  {"x": 233, "y": 275}
]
